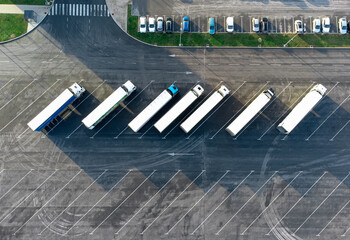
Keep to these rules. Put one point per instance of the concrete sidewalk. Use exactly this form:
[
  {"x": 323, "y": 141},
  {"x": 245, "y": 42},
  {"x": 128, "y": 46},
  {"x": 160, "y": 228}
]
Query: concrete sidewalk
[
  {"x": 40, "y": 10},
  {"x": 119, "y": 11}
]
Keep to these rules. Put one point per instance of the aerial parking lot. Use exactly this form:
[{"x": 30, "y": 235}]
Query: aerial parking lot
[{"x": 105, "y": 137}]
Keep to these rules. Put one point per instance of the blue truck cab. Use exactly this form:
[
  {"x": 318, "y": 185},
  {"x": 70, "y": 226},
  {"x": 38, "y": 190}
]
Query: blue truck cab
[{"x": 173, "y": 90}]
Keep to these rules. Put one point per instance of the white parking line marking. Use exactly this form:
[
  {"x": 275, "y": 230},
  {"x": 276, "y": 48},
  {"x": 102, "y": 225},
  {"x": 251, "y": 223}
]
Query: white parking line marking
[
  {"x": 48, "y": 201},
  {"x": 194, "y": 108},
  {"x": 295, "y": 204},
  {"x": 80, "y": 9},
  {"x": 217, "y": 108},
  {"x": 70, "y": 9},
  {"x": 19, "y": 136},
  {"x": 321, "y": 203},
  {"x": 333, "y": 219},
  {"x": 332, "y": 139},
  {"x": 289, "y": 184},
  {"x": 171, "y": 203},
  {"x": 307, "y": 139},
  {"x": 92, "y": 232},
  {"x": 222, "y": 202},
  {"x": 116, "y": 137},
  {"x": 239, "y": 110},
  {"x": 261, "y": 112},
  {"x": 16, "y": 184},
  {"x": 13, "y": 119},
  {"x": 291, "y": 107},
  {"x": 197, "y": 202},
  {"x": 48, "y": 225},
  {"x": 18, "y": 94},
  {"x": 245, "y": 203},
  {"x": 7, "y": 83},
  {"x": 149, "y": 201},
  {"x": 241, "y": 24},
  {"x": 77, "y": 106},
  {"x": 63, "y": 12},
  {"x": 28, "y": 196},
  {"x": 122, "y": 109},
  {"x": 81, "y": 124}
]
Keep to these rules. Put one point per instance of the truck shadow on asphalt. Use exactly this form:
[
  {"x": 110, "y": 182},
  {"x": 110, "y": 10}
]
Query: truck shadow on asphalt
[{"x": 103, "y": 49}]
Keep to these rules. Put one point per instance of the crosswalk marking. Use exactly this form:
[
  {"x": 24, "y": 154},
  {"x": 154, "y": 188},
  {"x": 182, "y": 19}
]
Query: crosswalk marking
[{"x": 79, "y": 10}]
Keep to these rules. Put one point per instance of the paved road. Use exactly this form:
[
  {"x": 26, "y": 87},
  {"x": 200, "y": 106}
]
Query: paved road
[{"x": 111, "y": 182}]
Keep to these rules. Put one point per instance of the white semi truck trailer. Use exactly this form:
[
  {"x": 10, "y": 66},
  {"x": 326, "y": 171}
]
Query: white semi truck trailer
[
  {"x": 56, "y": 107},
  {"x": 204, "y": 109},
  {"x": 302, "y": 109},
  {"x": 108, "y": 105},
  {"x": 179, "y": 108},
  {"x": 158, "y": 103},
  {"x": 251, "y": 111}
]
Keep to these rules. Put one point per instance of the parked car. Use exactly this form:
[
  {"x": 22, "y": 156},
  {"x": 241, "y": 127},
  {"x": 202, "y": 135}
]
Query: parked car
[
  {"x": 229, "y": 24},
  {"x": 326, "y": 25},
  {"x": 169, "y": 25},
  {"x": 151, "y": 24},
  {"x": 299, "y": 26},
  {"x": 316, "y": 25},
  {"x": 343, "y": 26},
  {"x": 143, "y": 24},
  {"x": 255, "y": 24},
  {"x": 160, "y": 24},
  {"x": 264, "y": 25},
  {"x": 211, "y": 24},
  {"x": 349, "y": 26},
  {"x": 186, "y": 24}
]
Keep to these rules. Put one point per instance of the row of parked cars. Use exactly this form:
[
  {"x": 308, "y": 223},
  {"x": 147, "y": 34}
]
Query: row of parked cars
[
  {"x": 318, "y": 25},
  {"x": 324, "y": 26},
  {"x": 159, "y": 25}
]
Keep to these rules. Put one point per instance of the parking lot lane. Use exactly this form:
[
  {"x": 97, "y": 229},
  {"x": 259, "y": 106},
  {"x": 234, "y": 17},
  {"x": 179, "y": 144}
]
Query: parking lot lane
[
  {"x": 281, "y": 219},
  {"x": 243, "y": 206},
  {"x": 336, "y": 200},
  {"x": 198, "y": 201},
  {"x": 63, "y": 218},
  {"x": 167, "y": 218}
]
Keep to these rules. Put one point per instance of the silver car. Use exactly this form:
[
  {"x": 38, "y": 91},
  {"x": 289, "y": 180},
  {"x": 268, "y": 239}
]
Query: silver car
[{"x": 160, "y": 24}]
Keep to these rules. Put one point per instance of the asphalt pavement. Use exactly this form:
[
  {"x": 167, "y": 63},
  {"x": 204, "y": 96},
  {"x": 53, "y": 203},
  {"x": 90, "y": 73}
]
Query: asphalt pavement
[{"x": 110, "y": 182}]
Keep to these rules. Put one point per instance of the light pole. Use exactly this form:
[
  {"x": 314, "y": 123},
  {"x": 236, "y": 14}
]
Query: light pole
[{"x": 180, "y": 35}]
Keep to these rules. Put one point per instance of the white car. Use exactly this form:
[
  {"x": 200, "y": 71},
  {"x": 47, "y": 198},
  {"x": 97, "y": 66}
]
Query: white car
[
  {"x": 151, "y": 24},
  {"x": 316, "y": 25},
  {"x": 343, "y": 27},
  {"x": 255, "y": 24},
  {"x": 142, "y": 24},
  {"x": 160, "y": 24},
  {"x": 229, "y": 24},
  {"x": 298, "y": 26},
  {"x": 326, "y": 25}
]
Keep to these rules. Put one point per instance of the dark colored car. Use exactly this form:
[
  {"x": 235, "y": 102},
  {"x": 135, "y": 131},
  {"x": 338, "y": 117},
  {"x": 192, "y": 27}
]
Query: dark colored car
[
  {"x": 169, "y": 25},
  {"x": 264, "y": 25}
]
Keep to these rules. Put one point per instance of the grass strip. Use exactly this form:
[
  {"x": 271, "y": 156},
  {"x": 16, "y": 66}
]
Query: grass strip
[
  {"x": 12, "y": 26},
  {"x": 236, "y": 39},
  {"x": 23, "y": 2}
]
